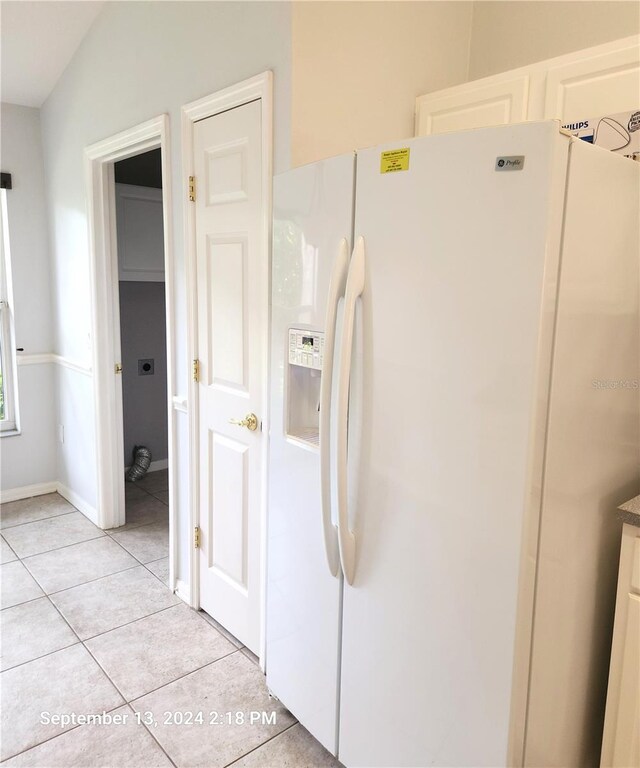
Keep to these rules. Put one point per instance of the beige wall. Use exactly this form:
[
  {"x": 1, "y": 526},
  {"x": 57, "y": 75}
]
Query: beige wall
[
  {"x": 506, "y": 35},
  {"x": 357, "y": 68}
]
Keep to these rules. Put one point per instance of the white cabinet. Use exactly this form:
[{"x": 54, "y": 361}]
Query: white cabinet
[
  {"x": 595, "y": 81},
  {"x": 621, "y": 740},
  {"x": 474, "y": 105},
  {"x": 140, "y": 233}
]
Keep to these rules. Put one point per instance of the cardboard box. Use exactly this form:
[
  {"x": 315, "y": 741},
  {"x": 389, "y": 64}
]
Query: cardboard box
[{"x": 617, "y": 133}]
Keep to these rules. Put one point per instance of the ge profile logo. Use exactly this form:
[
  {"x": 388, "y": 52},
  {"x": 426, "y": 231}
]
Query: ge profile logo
[{"x": 510, "y": 163}]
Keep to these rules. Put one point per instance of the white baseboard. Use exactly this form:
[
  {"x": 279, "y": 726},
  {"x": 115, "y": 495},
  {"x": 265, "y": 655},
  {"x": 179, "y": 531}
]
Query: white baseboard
[
  {"x": 27, "y": 491},
  {"x": 39, "y": 489},
  {"x": 78, "y": 502},
  {"x": 155, "y": 466}
]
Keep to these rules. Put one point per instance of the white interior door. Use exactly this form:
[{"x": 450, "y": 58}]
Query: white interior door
[{"x": 231, "y": 341}]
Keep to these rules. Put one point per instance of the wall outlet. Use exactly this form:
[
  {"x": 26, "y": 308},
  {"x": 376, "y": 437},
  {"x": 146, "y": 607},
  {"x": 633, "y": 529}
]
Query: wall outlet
[
  {"x": 145, "y": 367},
  {"x": 61, "y": 433}
]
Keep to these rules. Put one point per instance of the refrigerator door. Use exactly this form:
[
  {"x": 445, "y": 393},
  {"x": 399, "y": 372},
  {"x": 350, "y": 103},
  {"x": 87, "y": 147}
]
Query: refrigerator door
[
  {"x": 591, "y": 462},
  {"x": 313, "y": 215},
  {"x": 446, "y": 359}
]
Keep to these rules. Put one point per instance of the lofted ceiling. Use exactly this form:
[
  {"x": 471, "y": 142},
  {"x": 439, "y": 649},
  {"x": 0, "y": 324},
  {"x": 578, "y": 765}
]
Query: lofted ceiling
[{"x": 37, "y": 41}]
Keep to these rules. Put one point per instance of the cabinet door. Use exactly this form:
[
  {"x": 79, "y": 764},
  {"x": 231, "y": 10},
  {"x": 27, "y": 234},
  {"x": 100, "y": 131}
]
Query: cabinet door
[
  {"x": 473, "y": 106},
  {"x": 603, "y": 80},
  {"x": 604, "y": 84},
  {"x": 626, "y": 745},
  {"x": 621, "y": 737},
  {"x": 140, "y": 233}
]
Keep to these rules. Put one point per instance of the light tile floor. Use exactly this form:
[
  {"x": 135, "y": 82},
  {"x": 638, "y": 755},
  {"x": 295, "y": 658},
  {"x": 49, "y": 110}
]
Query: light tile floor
[{"x": 88, "y": 626}]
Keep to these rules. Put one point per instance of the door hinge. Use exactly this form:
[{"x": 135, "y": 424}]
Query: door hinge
[
  {"x": 196, "y": 370},
  {"x": 192, "y": 189},
  {"x": 196, "y": 538},
  {"x": 118, "y": 367}
]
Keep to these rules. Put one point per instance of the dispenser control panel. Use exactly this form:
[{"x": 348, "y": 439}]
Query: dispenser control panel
[{"x": 306, "y": 348}]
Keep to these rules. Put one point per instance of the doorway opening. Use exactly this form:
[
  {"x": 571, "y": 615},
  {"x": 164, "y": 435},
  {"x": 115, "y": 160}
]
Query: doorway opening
[
  {"x": 143, "y": 357},
  {"x": 109, "y": 239}
]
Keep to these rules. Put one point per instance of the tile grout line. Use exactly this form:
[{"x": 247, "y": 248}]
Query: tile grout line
[
  {"x": 128, "y": 704},
  {"x": 6, "y": 543},
  {"x": 226, "y": 634},
  {"x": 133, "y": 527},
  {"x": 42, "y": 656},
  {"x": 55, "y": 736},
  {"x": 150, "y": 732},
  {"x": 24, "y": 602},
  {"x": 81, "y": 642},
  {"x": 157, "y": 560},
  {"x": 42, "y": 519},
  {"x": 255, "y": 749},
  {"x": 82, "y": 583},
  {"x": 181, "y": 677},
  {"x": 144, "y": 565},
  {"x": 129, "y": 701},
  {"x": 131, "y": 553},
  {"x": 64, "y": 546},
  {"x": 133, "y": 621},
  {"x": 187, "y": 674},
  {"x": 159, "y": 579},
  {"x": 22, "y": 561}
]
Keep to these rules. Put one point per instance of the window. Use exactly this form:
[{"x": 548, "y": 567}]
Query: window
[{"x": 8, "y": 377}]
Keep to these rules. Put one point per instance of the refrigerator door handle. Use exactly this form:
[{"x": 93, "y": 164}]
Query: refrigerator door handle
[
  {"x": 336, "y": 292},
  {"x": 355, "y": 286}
]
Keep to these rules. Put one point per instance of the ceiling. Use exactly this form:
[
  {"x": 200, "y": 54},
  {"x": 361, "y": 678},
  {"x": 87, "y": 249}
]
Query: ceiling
[{"x": 37, "y": 41}]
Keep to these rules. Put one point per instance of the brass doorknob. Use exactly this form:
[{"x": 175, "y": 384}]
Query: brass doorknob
[{"x": 250, "y": 421}]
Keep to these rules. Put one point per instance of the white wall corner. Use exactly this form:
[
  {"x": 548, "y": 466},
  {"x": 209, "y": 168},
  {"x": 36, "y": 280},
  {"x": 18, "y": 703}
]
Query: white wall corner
[
  {"x": 471, "y": 15},
  {"x": 78, "y": 502}
]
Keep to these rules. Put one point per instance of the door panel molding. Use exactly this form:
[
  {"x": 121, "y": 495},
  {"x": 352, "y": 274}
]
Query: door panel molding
[
  {"x": 489, "y": 104},
  {"x": 255, "y": 88}
]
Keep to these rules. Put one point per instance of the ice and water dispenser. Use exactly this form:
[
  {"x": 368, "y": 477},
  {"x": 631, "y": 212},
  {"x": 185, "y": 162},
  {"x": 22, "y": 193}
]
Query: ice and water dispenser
[{"x": 306, "y": 349}]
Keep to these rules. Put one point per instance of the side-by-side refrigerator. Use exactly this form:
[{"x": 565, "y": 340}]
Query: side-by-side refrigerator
[{"x": 454, "y": 418}]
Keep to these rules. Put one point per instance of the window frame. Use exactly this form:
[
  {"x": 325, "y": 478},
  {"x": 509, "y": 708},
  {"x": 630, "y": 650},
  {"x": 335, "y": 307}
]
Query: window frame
[{"x": 10, "y": 424}]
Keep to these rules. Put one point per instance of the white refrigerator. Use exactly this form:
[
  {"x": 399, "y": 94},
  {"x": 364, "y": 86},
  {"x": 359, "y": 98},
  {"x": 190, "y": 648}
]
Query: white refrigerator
[{"x": 454, "y": 416}]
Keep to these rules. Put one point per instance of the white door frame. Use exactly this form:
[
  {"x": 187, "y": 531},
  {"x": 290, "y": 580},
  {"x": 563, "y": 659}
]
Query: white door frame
[
  {"x": 105, "y": 319},
  {"x": 258, "y": 87}
]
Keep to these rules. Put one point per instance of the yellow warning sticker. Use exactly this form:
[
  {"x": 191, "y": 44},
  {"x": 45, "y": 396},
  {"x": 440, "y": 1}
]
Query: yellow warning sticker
[{"x": 394, "y": 160}]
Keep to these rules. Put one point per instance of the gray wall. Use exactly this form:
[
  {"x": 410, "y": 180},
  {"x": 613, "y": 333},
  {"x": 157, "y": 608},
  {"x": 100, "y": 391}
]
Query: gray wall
[
  {"x": 142, "y": 324},
  {"x": 29, "y": 458},
  {"x": 506, "y": 35}
]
